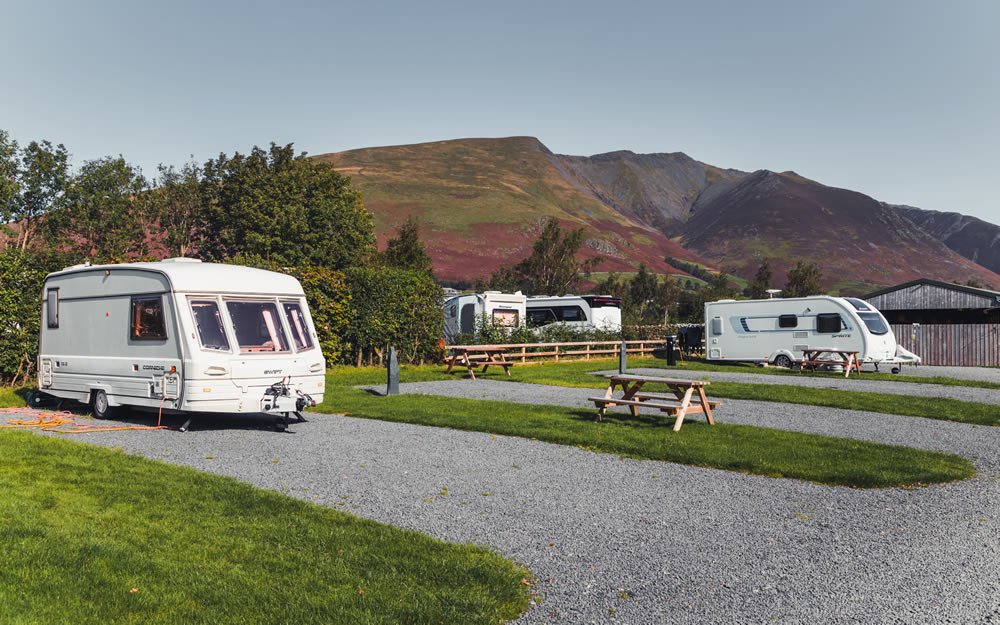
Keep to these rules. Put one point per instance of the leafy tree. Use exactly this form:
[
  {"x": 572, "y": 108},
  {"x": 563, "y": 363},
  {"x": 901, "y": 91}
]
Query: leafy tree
[
  {"x": 642, "y": 291},
  {"x": 393, "y": 307},
  {"x": 405, "y": 251},
  {"x": 503, "y": 279},
  {"x": 761, "y": 281},
  {"x": 285, "y": 208},
  {"x": 42, "y": 178},
  {"x": 804, "y": 279},
  {"x": 106, "y": 211},
  {"x": 8, "y": 175},
  {"x": 177, "y": 205},
  {"x": 669, "y": 295},
  {"x": 22, "y": 273},
  {"x": 552, "y": 268},
  {"x": 718, "y": 287}
]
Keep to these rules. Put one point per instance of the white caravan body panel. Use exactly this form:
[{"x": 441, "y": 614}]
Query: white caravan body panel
[
  {"x": 584, "y": 312},
  {"x": 762, "y": 330},
  {"x": 461, "y": 312},
  {"x": 179, "y": 334}
]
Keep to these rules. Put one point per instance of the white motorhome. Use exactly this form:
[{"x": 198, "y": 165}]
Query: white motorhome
[
  {"x": 778, "y": 330},
  {"x": 584, "y": 312},
  {"x": 461, "y": 312},
  {"x": 181, "y": 335}
]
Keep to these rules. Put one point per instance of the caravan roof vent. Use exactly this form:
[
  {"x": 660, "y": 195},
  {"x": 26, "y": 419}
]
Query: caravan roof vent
[
  {"x": 80, "y": 266},
  {"x": 180, "y": 259}
]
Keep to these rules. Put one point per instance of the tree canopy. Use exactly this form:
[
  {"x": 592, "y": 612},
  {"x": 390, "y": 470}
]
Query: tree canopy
[
  {"x": 803, "y": 279},
  {"x": 552, "y": 268}
]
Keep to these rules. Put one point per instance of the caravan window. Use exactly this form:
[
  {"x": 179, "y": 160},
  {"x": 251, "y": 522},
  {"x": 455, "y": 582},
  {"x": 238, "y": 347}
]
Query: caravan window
[
  {"x": 828, "y": 323},
  {"x": 52, "y": 307},
  {"x": 257, "y": 326},
  {"x": 505, "y": 317},
  {"x": 146, "y": 323},
  {"x": 208, "y": 320},
  {"x": 297, "y": 324},
  {"x": 540, "y": 316},
  {"x": 874, "y": 322},
  {"x": 788, "y": 321}
]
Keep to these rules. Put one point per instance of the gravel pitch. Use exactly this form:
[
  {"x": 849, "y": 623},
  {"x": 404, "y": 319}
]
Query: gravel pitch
[{"x": 615, "y": 540}]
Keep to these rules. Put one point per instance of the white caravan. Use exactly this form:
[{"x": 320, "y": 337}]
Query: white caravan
[
  {"x": 181, "y": 335},
  {"x": 461, "y": 312},
  {"x": 778, "y": 330},
  {"x": 584, "y": 312}
]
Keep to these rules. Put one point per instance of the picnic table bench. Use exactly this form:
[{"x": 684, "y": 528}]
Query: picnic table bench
[
  {"x": 685, "y": 397},
  {"x": 472, "y": 357},
  {"x": 828, "y": 356}
]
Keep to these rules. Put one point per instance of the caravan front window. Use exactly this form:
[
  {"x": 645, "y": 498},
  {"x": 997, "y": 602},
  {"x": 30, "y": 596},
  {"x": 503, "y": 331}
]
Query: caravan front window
[
  {"x": 208, "y": 320},
  {"x": 297, "y": 324},
  {"x": 874, "y": 322},
  {"x": 258, "y": 327}
]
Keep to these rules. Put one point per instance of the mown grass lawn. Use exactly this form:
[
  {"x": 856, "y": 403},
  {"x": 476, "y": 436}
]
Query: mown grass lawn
[
  {"x": 580, "y": 374},
  {"x": 761, "y": 451},
  {"x": 93, "y": 536}
]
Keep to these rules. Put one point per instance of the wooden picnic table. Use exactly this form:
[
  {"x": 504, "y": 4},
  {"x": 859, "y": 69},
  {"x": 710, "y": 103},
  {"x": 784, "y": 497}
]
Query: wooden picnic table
[
  {"x": 472, "y": 357},
  {"x": 685, "y": 397},
  {"x": 830, "y": 356}
]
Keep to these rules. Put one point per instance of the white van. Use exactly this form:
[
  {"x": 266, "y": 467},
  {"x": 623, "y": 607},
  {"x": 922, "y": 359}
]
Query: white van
[
  {"x": 778, "y": 330},
  {"x": 181, "y": 335},
  {"x": 583, "y": 312},
  {"x": 461, "y": 312}
]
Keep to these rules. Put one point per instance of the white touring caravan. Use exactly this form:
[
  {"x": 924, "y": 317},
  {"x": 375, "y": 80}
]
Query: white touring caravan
[
  {"x": 584, "y": 312},
  {"x": 179, "y": 335},
  {"x": 461, "y": 312},
  {"x": 778, "y": 330}
]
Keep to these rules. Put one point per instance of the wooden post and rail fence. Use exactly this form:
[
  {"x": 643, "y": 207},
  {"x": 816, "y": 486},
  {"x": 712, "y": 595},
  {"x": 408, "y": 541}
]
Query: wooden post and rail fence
[{"x": 577, "y": 350}]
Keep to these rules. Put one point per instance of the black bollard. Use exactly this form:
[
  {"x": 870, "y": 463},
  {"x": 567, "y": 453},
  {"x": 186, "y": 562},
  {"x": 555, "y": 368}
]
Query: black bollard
[
  {"x": 392, "y": 386},
  {"x": 622, "y": 358},
  {"x": 671, "y": 356}
]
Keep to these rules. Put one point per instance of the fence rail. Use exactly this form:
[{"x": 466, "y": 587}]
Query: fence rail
[{"x": 577, "y": 350}]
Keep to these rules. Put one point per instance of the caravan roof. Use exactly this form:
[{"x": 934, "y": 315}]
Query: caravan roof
[{"x": 191, "y": 275}]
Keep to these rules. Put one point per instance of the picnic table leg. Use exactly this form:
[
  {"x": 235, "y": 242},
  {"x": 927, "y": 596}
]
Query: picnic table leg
[
  {"x": 470, "y": 366},
  {"x": 608, "y": 394},
  {"x": 683, "y": 409},
  {"x": 451, "y": 363},
  {"x": 629, "y": 393},
  {"x": 705, "y": 405}
]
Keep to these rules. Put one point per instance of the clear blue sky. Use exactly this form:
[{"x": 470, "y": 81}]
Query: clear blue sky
[{"x": 897, "y": 99}]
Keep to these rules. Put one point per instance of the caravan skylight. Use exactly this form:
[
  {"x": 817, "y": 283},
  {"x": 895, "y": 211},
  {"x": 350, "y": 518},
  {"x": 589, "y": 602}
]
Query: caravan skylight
[{"x": 258, "y": 327}]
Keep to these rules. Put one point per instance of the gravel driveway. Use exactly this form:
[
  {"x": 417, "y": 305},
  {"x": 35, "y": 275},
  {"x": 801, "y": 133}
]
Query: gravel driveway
[{"x": 628, "y": 541}]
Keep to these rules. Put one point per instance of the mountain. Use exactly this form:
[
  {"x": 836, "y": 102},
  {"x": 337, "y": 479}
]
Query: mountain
[
  {"x": 481, "y": 203},
  {"x": 973, "y": 238}
]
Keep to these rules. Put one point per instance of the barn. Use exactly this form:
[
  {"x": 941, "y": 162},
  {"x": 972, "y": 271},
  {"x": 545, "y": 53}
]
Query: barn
[{"x": 945, "y": 324}]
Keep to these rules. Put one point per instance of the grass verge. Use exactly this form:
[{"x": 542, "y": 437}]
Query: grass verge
[
  {"x": 580, "y": 374},
  {"x": 761, "y": 451},
  {"x": 91, "y": 535}
]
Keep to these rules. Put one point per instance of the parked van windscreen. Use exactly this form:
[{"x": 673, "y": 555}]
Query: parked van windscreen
[
  {"x": 874, "y": 322},
  {"x": 257, "y": 326},
  {"x": 208, "y": 320}
]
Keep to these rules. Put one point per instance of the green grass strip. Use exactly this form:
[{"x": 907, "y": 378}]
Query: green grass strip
[
  {"x": 748, "y": 449},
  {"x": 580, "y": 374},
  {"x": 94, "y": 536}
]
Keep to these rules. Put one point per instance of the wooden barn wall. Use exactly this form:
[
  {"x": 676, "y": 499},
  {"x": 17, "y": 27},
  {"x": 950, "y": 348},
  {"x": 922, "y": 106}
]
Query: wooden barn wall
[
  {"x": 963, "y": 345},
  {"x": 924, "y": 296}
]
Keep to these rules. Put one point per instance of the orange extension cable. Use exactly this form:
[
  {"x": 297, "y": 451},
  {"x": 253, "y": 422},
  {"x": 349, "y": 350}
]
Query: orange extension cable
[{"x": 64, "y": 422}]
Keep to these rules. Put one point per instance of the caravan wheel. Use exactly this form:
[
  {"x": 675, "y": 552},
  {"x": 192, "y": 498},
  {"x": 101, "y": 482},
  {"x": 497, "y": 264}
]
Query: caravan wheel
[
  {"x": 781, "y": 360},
  {"x": 101, "y": 406}
]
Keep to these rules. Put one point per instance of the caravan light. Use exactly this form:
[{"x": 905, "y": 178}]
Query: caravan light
[{"x": 173, "y": 369}]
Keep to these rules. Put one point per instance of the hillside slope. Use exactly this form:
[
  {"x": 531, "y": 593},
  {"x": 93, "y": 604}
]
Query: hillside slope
[
  {"x": 481, "y": 204},
  {"x": 973, "y": 238},
  {"x": 859, "y": 242}
]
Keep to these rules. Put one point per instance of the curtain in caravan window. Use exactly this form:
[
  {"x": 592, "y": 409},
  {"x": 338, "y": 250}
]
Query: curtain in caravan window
[
  {"x": 297, "y": 324},
  {"x": 257, "y": 327},
  {"x": 147, "y": 322}
]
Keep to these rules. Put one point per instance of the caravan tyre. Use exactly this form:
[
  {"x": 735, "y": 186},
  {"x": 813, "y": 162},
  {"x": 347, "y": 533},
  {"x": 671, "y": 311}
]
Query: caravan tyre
[
  {"x": 101, "y": 406},
  {"x": 781, "y": 360}
]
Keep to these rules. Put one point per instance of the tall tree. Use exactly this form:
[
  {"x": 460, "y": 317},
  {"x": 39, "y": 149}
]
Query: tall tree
[
  {"x": 761, "y": 281},
  {"x": 669, "y": 295},
  {"x": 8, "y": 175},
  {"x": 642, "y": 290},
  {"x": 43, "y": 177},
  {"x": 405, "y": 251},
  {"x": 804, "y": 279},
  {"x": 285, "y": 208},
  {"x": 177, "y": 207},
  {"x": 105, "y": 213},
  {"x": 552, "y": 268}
]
